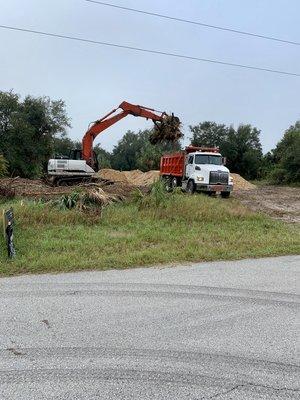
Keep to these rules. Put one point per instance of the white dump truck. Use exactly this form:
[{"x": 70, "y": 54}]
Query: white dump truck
[{"x": 197, "y": 169}]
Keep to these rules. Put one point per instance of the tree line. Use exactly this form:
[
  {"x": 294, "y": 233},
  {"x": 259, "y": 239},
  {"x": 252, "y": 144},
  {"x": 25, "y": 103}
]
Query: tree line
[{"x": 33, "y": 130}]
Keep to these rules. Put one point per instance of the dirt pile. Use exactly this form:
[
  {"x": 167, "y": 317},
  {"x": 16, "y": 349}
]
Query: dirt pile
[
  {"x": 139, "y": 178},
  {"x": 111, "y": 175},
  {"x": 239, "y": 183},
  {"x": 133, "y": 178}
]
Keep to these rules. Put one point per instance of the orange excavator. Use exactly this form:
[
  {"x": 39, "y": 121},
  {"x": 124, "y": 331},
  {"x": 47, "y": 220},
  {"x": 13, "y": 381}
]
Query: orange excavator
[{"x": 82, "y": 164}]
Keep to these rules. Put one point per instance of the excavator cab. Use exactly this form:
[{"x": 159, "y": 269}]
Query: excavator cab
[{"x": 76, "y": 154}]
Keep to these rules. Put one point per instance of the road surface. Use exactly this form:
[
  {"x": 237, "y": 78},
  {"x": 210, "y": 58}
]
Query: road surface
[{"x": 221, "y": 330}]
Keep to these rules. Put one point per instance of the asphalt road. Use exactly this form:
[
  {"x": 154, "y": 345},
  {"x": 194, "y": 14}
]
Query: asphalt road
[{"x": 223, "y": 330}]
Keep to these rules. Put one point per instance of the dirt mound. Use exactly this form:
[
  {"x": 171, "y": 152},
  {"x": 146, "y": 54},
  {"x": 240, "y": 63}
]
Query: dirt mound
[
  {"x": 111, "y": 175},
  {"x": 133, "y": 178},
  {"x": 239, "y": 183},
  {"x": 139, "y": 178}
]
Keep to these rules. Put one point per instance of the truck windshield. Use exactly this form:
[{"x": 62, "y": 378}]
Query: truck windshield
[{"x": 206, "y": 159}]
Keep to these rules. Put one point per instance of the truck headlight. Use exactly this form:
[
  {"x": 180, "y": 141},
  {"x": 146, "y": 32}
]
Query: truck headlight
[
  {"x": 200, "y": 178},
  {"x": 230, "y": 179}
]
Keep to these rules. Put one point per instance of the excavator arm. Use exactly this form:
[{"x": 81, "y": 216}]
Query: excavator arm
[{"x": 110, "y": 119}]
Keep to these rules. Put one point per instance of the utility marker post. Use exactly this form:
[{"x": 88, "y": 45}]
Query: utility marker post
[{"x": 8, "y": 223}]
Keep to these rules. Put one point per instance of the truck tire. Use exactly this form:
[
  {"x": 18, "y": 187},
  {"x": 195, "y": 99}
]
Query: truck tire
[
  {"x": 174, "y": 182},
  {"x": 167, "y": 183},
  {"x": 225, "y": 195},
  {"x": 190, "y": 189}
]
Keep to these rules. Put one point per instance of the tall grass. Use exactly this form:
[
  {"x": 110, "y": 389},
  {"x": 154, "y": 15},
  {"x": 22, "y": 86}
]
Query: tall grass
[{"x": 154, "y": 229}]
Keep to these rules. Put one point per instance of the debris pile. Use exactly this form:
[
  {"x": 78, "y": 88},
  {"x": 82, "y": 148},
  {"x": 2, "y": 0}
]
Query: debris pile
[
  {"x": 168, "y": 129},
  {"x": 29, "y": 188},
  {"x": 118, "y": 184}
]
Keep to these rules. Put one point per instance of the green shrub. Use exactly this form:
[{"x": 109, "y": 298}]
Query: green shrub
[
  {"x": 278, "y": 176},
  {"x": 155, "y": 199}
]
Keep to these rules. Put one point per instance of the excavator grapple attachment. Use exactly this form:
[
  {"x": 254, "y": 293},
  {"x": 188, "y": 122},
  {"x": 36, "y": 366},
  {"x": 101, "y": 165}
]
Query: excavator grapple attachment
[{"x": 167, "y": 129}]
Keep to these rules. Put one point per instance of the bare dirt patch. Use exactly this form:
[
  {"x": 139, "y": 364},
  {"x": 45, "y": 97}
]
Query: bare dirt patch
[{"x": 278, "y": 202}]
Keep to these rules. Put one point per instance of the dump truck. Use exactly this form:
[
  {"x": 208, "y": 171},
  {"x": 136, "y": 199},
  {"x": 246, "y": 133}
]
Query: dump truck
[{"x": 200, "y": 169}]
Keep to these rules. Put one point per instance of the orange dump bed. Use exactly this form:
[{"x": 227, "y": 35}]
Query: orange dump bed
[{"x": 172, "y": 164}]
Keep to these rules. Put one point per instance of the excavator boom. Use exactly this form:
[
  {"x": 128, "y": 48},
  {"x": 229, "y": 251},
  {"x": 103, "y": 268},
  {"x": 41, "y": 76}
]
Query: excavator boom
[{"x": 111, "y": 118}]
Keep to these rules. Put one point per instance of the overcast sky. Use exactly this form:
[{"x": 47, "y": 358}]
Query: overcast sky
[{"x": 92, "y": 79}]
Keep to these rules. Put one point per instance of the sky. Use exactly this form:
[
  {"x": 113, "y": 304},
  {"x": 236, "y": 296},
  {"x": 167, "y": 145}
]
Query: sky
[{"x": 93, "y": 79}]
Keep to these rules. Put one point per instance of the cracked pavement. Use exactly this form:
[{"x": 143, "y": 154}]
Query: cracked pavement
[{"x": 220, "y": 330}]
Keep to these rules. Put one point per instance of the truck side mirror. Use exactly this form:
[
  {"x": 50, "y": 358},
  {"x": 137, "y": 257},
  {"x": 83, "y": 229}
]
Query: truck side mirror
[
  {"x": 197, "y": 168},
  {"x": 224, "y": 160}
]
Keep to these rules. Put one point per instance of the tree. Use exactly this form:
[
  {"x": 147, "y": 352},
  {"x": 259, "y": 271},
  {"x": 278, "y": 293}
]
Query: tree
[
  {"x": 243, "y": 151},
  {"x": 125, "y": 152},
  {"x": 241, "y": 147},
  {"x": 27, "y": 131},
  {"x": 62, "y": 145},
  {"x": 134, "y": 151},
  {"x": 286, "y": 157},
  {"x": 209, "y": 134},
  {"x": 103, "y": 156}
]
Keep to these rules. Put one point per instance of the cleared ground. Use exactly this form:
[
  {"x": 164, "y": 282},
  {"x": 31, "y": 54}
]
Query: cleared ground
[
  {"x": 276, "y": 201},
  {"x": 222, "y": 330}
]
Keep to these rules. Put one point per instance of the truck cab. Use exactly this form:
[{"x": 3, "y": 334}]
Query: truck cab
[
  {"x": 205, "y": 171},
  {"x": 197, "y": 169}
]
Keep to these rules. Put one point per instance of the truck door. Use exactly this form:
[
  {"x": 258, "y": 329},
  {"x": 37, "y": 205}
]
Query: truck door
[{"x": 189, "y": 166}]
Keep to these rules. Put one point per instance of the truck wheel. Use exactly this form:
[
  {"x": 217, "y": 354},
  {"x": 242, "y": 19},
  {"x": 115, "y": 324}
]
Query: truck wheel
[
  {"x": 225, "y": 195},
  {"x": 190, "y": 187},
  {"x": 174, "y": 182},
  {"x": 168, "y": 184}
]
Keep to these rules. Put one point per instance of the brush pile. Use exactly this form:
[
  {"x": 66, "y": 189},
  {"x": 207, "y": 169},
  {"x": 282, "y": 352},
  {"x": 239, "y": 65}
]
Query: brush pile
[{"x": 168, "y": 129}]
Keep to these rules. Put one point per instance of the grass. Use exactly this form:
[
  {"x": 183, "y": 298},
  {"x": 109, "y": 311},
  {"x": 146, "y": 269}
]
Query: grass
[{"x": 179, "y": 229}]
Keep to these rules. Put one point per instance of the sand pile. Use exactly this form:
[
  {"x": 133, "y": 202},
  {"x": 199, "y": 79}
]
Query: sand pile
[
  {"x": 111, "y": 175},
  {"x": 139, "y": 178},
  {"x": 134, "y": 178},
  {"x": 239, "y": 183}
]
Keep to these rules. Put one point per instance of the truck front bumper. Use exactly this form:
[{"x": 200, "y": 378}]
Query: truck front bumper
[{"x": 213, "y": 188}]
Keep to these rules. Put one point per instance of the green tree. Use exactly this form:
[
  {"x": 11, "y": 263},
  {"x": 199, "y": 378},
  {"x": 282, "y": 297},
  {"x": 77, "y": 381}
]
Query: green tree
[
  {"x": 286, "y": 157},
  {"x": 27, "y": 131},
  {"x": 241, "y": 147},
  {"x": 103, "y": 156},
  {"x": 134, "y": 151},
  {"x": 125, "y": 152},
  {"x": 62, "y": 145},
  {"x": 243, "y": 151},
  {"x": 209, "y": 133}
]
